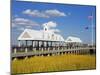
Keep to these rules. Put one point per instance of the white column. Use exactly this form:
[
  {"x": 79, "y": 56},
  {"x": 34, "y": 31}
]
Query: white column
[
  {"x": 48, "y": 48},
  {"x": 15, "y": 59},
  {"x": 54, "y": 45},
  {"x": 33, "y": 45},
  {"x": 62, "y": 53},
  {"x": 15, "y": 50},
  {"x": 48, "y": 45},
  {"x": 25, "y": 50},
  {"x": 19, "y": 44},
  {"x": 42, "y": 55},
  {"x": 48, "y": 55},
  {"x": 42, "y": 48},
  {"x": 26, "y": 57},
  {"x": 26, "y": 47},
  {"x": 53, "y": 54}
]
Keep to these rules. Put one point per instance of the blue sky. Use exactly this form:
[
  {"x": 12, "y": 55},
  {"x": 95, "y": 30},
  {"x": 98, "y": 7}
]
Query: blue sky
[{"x": 71, "y": 20}]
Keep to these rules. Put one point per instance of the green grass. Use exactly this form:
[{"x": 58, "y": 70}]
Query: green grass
[{"x": 53, "y": 63}]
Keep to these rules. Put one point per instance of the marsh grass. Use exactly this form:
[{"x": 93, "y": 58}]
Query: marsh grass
[{"x": 53, "y": 63}]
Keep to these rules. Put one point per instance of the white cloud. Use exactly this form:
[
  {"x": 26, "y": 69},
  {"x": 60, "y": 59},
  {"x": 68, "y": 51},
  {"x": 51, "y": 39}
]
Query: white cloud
[
  {"x": 35, "y": 13},
  {"x": 13, "y": 25},
  {"x": 21, "y": 29},
  {"x": 55, "y": 13},
  {"x": 24, "y": 22},
  {"x": 44, "y": 14},
  {"x": 50, "y": 24},
  {"x": 28, "y": 26},
  {"x": 28, "y": 11},
  {"x": 55, "y": 30}
]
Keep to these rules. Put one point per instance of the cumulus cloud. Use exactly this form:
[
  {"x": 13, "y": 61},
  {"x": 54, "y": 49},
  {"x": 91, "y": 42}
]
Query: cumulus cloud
[
  {"x": 54, "y": 13},
  {"x": 21, "y": 29},
  {"x": 55, "y": 30},
  {"x": 44, "y": 14},
  {"x": 52, "y": 26},
  {"x": 13, "y": 25},
  {"x": 23, "y": 21},
  {"x": 35, "y": 13}
]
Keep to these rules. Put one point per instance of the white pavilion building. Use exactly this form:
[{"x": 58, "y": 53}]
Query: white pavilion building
[
  {"x": 46, "y": 39},
  {"x": 40, "y": 38},
  {"x": 73, "y": 42}
]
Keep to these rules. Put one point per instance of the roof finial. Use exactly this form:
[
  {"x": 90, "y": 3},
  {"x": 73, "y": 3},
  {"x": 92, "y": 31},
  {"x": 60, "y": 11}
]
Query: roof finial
[{"x": 45, "y": 27}]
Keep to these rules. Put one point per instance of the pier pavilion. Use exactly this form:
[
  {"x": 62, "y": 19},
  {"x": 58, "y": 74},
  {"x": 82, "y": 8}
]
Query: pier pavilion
[
  {"x": 44, "y": 39},
  {"x": 73, "y": 42}
]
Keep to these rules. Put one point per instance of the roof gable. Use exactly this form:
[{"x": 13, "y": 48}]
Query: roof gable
[
  {"x": 69, "y": 40},
  {"x": 73, "y": 39},
  {"x": 26, "y": 35},
  {"x": 29, "y": 34}
]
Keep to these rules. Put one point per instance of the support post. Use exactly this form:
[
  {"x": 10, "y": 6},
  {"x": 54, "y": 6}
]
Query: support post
[
  {"x": 15, "y": 50},
  {"x": 19, "y": 43},
  {"x": 48, "y": 54},
  {"x": 33, "y": 45},
  {"x": 26, "y": 50},
  {"x": 15, "y": 59},
  {"x": 51, "y": 45},
  {"x": 26, "y": 47}
]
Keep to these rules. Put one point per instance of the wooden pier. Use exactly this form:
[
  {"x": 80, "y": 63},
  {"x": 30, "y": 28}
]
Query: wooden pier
[{"x": 48, "y": 52}]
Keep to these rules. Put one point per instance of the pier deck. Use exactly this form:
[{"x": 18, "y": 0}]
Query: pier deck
[{"x": 42, "y": 52}]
